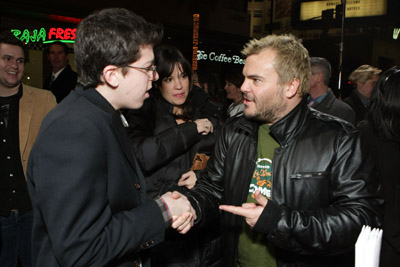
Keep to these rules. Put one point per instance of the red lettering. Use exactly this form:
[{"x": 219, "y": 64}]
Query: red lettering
[
  {"x": 73, "y": 34},
  {"x": 52, "y": 32},
  {"x": 67, "y": 34},
  {"x": 62, "y": 34},
  {"x": 59, "y": 34}
]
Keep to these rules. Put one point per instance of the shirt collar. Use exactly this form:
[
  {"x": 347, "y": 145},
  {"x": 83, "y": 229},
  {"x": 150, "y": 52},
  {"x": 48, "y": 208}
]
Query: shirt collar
[
  {"x": 317, "y": 99},
  {"x": 363, "y": 99},
  {"x": 58, "y": 73}
]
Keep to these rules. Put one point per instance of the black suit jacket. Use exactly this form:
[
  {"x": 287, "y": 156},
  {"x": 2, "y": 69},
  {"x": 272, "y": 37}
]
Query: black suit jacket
[
  {"x": 65, "y": 82},
  {"x": 88, "y": 193},
  {"x": 354, "y": 101},
  {"x": 333, "y": 106}
]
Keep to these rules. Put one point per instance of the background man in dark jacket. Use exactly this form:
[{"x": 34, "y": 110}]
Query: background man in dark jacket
[
  {"x": 62, "y": 79},
  {"x": 363, "y": 79},
  {"x": 88, "y": 193},
  {"x": 307, "y": 181},
  {"x": 321, "y": 96}
]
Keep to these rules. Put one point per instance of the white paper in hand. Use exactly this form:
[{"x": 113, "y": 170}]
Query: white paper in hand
[{"x": 368, "y": 247}]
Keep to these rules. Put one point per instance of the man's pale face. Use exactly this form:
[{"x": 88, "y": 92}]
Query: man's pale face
[
  {"x": 58, "y": 58},
  {"x": 12, "y": 61},
  {"x": 368, "y": 86},
  {"x": 264, "y": 98},
  {"x": 134, "y": 87}
]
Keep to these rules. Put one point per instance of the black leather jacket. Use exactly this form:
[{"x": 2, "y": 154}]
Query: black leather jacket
[
  {"x": 324, "y": 188},
  {"x": 164, "y": 149}
]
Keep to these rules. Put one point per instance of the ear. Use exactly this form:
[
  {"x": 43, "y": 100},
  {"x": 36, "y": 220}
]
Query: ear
[
  {"x": 111, "y": 76},
  {"x": 319, "y": 77},
  {"x": 292, "y": 88}
]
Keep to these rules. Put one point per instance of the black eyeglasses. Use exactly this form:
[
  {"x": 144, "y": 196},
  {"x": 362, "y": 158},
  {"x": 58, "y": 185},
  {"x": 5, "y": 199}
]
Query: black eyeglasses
[{"x": 151, "y": 69}]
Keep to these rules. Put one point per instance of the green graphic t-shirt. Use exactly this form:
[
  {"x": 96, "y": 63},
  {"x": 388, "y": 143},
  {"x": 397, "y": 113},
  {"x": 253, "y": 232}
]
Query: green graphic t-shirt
[{"x": 253, "y": 250}]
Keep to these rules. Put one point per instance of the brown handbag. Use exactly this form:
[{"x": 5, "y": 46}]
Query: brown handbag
[{"x": 199, "y": 162}]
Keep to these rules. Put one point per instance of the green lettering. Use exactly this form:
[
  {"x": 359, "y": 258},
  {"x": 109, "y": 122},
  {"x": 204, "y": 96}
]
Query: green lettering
[
  {"x": 16, "y": 33},
  {"x": 25, "y": 36},
  {"x": 32, "y": 38},
  {"x": 41, "y": 35}
]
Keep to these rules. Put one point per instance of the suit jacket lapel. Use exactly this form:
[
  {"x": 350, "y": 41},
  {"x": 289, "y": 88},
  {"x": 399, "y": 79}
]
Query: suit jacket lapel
[
  {"x": 123, "y": 139},
  {"x": 127, "y": 147}
]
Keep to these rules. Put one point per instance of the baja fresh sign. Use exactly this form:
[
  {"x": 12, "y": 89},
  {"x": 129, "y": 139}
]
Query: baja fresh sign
[{"x": 66, "y": 35}]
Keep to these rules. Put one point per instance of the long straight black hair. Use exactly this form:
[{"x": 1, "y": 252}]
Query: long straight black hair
[{"x": 384, "y": 113}]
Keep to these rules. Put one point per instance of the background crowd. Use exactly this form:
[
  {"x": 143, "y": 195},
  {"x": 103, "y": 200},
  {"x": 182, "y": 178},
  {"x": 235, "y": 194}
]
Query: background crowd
[{"x": 260, "y": 166}]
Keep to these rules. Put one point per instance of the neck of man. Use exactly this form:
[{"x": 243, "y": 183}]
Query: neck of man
[
  {"x": 318, "y": 90},
  {"x": 55, "y": 70},
  {"x": 7, "y": 91},
  {"x": 290, "y": 105},
  {"x": 109, "y": 94},
  {"x": 367, "y": 95}
]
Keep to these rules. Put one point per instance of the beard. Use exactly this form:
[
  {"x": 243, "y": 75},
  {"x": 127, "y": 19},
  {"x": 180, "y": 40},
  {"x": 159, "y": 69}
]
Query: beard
[{"x": 267, "y": 110}]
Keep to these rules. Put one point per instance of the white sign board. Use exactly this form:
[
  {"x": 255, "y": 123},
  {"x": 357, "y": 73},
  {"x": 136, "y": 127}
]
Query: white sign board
[{"x": 354, "y": 8}]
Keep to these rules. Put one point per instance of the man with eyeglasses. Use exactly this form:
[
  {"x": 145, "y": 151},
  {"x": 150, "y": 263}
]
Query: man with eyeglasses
[
  {"x": 151, "y": 71},
  {"x": 87, "y": 190}
]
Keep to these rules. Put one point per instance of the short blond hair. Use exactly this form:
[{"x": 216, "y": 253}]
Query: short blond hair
[
  {"x": 363, "y": 73},
  {"x": 292, "y": 58}
]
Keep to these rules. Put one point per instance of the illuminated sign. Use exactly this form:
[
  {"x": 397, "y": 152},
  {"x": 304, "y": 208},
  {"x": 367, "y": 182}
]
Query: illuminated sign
[
  {"x": 65, "y": 35},
  {"x": 196, "y": 24},
  {"x": 213, "y": 56},
  {"x": 354, "y": 8}
]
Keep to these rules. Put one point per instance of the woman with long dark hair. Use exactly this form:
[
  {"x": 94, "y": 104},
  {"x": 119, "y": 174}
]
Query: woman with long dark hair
[
  {"x": 168, "y": 133},
  {"x": 381, "y": 132}
]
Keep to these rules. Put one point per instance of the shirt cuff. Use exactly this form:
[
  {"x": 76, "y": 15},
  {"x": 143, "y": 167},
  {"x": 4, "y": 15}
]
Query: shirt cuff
[{"x": 165, "y": 211}]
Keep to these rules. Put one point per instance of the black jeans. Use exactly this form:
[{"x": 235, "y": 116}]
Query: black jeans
[{"x": 15, "y": 239}]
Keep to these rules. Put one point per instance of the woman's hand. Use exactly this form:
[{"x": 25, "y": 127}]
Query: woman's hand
[
  {"x": 204, "y": 126},
  {"x": 188, "y": 179}
]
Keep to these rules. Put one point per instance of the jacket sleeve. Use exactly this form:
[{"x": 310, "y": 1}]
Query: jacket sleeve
[
  {"x": 156, "y": 150},
  {"x": 68, "y": 187},
  {"x": 206, "y": 196},
  {"x": 354, "y": 202}
]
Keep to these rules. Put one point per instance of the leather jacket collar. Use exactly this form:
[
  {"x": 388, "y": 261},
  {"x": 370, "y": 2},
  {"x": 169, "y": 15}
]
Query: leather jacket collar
[
  {"x": 287, "y": 128},
  {"x": 283, "y": 130}
]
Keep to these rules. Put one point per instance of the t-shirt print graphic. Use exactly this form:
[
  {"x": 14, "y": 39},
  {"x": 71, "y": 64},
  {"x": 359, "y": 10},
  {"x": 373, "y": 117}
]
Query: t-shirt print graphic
[{"x": 262, "y": 178}]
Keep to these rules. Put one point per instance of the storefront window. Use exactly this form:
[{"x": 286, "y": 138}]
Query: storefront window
[{"x": 258, "y": 13}]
